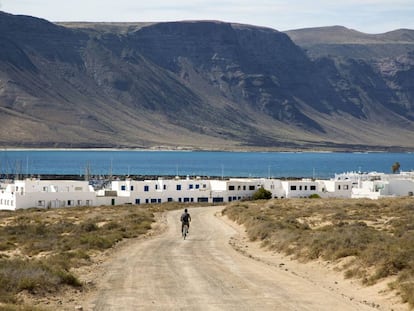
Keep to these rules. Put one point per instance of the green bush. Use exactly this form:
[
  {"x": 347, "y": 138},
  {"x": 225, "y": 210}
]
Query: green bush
[{"x": 262, "y": 194}]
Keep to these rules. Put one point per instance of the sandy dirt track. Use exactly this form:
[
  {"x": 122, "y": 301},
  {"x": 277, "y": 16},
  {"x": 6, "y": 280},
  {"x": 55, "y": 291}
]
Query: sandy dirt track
[{"x": 205, "y": 272}]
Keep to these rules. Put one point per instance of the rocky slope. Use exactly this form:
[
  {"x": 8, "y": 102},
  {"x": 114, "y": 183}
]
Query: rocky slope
[{"x": 201, "y": 84}]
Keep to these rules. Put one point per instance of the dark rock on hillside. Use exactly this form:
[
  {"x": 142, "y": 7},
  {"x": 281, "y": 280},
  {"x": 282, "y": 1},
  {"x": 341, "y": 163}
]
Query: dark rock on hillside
[{"x": 206, "y": 84}]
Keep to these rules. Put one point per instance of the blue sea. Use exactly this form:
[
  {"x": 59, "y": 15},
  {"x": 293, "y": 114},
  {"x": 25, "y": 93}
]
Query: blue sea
[{"x": 196, "y": 163}]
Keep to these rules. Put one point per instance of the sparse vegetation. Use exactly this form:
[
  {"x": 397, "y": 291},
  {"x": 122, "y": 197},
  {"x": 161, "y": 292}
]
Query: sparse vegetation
[
  {"x": 40, "y": 248},
  {"x": 377, "y": 237}
]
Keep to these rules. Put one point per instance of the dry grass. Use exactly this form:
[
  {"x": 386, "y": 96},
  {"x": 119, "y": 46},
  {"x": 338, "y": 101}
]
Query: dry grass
[
  {"x": 376, "y": 236},
  {"x": 39, "y": 248}
]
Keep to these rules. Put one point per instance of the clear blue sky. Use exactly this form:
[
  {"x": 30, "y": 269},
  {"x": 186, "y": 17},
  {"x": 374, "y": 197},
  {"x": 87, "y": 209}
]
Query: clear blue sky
[{"x": 370, "y": 16}]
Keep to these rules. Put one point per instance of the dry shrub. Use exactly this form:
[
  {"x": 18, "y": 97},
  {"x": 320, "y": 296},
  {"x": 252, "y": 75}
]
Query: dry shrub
[{"x": 378, "y": 234}]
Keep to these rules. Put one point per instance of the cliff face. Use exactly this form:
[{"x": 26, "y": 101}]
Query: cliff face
[{"x": 204, "y": 84}]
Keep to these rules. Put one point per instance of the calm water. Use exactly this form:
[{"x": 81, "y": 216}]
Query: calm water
[{"x": 228, "y": 164}]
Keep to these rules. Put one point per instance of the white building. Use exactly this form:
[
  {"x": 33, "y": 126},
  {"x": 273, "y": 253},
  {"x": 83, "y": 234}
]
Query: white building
[
  {"x": 184, "y": 190},
  {"x": 46, "y": 194}
]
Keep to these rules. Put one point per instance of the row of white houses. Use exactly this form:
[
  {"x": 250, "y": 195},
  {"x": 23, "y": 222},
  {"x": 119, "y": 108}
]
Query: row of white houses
[{"x": 20, "y": 194}]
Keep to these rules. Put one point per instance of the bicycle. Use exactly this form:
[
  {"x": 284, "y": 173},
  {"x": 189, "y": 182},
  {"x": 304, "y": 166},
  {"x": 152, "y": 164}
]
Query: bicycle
[{"x": 185, "y": 231}]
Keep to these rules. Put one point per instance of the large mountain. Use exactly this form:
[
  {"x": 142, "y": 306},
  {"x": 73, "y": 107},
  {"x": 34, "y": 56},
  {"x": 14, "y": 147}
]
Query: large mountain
[{"x": 203, "y": 84}]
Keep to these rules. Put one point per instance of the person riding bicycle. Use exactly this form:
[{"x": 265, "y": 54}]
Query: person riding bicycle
[{"x": 185, "y": 220}]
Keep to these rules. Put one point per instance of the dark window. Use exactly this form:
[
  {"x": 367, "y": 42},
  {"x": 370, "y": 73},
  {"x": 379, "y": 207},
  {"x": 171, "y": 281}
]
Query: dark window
[
  {"x": 252, "y": 187},
  {"x": 231, "y": 188},
  {"x": 146, "y": 188},
  {"x": 202, "y": 199},
  {"x": 292, "y": 188},
  {"x": 159, "y": 200},
  {"x": 165, "y": 187},
  {"x": 132, "y": 188},
  {"x": 153, "y": 200},
  {"x": 197, "y": 186},
  {"x": 123, "y": 187},
  {"x": 218, "y": 200},
  {"x": 190, "y": 186},
  {"x": 170, "y": 199},
  {"x": 312, "y": 187},
  {"x": 137, "y": 201},
  {"x": 178, "y": 187}
]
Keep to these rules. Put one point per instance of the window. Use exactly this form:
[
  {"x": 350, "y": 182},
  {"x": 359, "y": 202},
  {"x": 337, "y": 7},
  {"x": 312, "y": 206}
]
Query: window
[
  {"x": 137, "y": 201},
  {"x": 88, "y": 202},
  {"x": 339, "y": 187},
  {"x": 346, "y": 187},
  {"x": 313, "y": 187},
  {"x": 178, "y": 187},
  {"x": 190, "y": 186},
  {"x": 123, "y": 187},
  {"x": 186, "y": 200},
  {"x": 40, "y": 203},
  {"x": 132, "y": 188},
  {"x": 244, "y": 187},
  {"x": 197, "y": 186},
  {"x": 169, "y": 199},
  {"x": 165, "y": 187},
  {"x": 251, "y": 187},
  {"x": 153, "y": 200},
  {"x": 79, "y": 202},
  {"x": 202, "y": 199},
  {"x": 306, "y": 187},
  {"x": 147, "y": 201},
  {"x": 231, "y": 188},
  {"x": 156, "y": 187},
  {"x": 146, "y": 188},
  {"x": 300, "y": 187},
  {"x": 292, "y": 188},
  {"x": 159, "y": 200}
]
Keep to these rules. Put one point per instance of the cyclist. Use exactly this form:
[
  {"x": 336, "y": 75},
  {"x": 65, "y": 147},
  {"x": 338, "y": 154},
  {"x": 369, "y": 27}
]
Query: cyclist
[{"x": 185, "y": 220}]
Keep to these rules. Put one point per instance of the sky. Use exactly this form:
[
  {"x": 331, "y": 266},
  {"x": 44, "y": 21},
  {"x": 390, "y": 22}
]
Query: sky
[{"x": 369, "y": 16}]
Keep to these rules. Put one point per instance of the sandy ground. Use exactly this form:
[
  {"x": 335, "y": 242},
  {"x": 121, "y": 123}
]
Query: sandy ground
[{"x": 216, "y": 268}]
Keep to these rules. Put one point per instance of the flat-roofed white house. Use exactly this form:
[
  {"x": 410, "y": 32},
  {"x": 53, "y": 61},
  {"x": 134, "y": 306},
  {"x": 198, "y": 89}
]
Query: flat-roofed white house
[
  {"x": 46, "y": 194},
  {"x": 184, "y": 190}
]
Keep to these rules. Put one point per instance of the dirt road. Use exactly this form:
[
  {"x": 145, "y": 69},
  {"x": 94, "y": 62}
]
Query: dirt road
[{"x": 204, "y": 272}]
